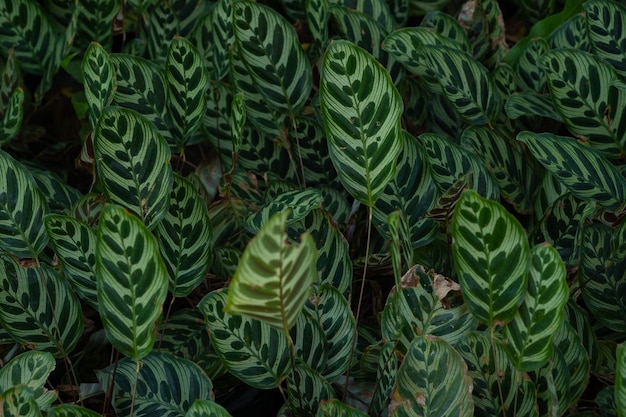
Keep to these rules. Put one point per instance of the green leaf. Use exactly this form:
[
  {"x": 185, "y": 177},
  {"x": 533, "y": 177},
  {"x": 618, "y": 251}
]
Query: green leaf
[
  {"x": 74, "y": 243},
  {"x": 39, "y": 308},
  {"x": 620, "y": 380},
  {"x": 580, "y": 85},
  {"x": 272, "y": 55},
  {"x": 605, "y": 26},
  {"x": 572, "y": 33},
  {"x": 131, "y": 281},
  {"x": 528, "y": 103},
  {"x": 298, "y": 203},
  {"x": 529, "y": 334},
  {"x": 96, "y": 21},
  {"x": 206, "y": 408},
  {"x": 376, "y": 9},
  {"x": 22, "y": 209},
  {"x": 361, "y": 110},
  {"x": 337, "y": 408},
  {"x": 71, "y": 410},
  {"x": 250, "y": 349},
  {"x": 432, "y": 381},
  {"x": 99, "y": 80},
  {"x": 159, "y": 384},
  {"x": 580, "y": 168},
  {"x": 317, "y": 15},
  {"x": 12, "y": 117},
  {"x": 184, "y": 238},
  {"x": 306, "y": 389},
  {"x": 491, "y": 257},
  {"x": 161, "y": 26},
  {"x": 133, "y": 163},
  {"x": 32, "y": 369},
  {"x": 529, "y": 72},
  {"x": 187, "y": 81},
  {"x": 309, "y": 341},
  {"x": 576, "y": 361},
  {"x": 446, "y": 25},
  {"x": 386, "y": 378},
  {"x": 273, "y": 279},
  {"x": 58, "y": 194},
  {"x": 19, "y": 401}
]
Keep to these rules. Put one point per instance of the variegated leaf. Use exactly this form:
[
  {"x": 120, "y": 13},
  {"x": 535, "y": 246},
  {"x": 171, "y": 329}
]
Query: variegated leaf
[
  {"x": 131, "y": 281},
  {"x": 317, "y": 15},
  {"x": 444, "y": 24},
  {"x": 337, "y": 408},
  {"x": 527, "y": 103},
  {"x": 32, "y": 369},
  {"x": 206, "y": 408},
  {"x": 19, "y": 400},
  {"x": 12, "y": 116},
  {"x": 71, "y": 410},
  {"x": 376, "y": 9},
  {"x": 361, "y": 110},
  {"x": 529, "y": 72},
  {"x": 309, "y": 341},
  {"x": 571, "y": 34},
  {"x": 59, "y": 195},
  {"x": 605, "y": 27},
  {"x": 306, "y": 389},
  {"x": 576, "y": 361},
  {"x": 298, "y": 203},
  {"x": 491, "y": 257}
]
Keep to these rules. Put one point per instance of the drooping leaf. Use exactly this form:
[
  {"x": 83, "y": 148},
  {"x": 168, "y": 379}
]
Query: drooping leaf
[
  {"x": 22, "y": 210},
  {"x": 605, "y": 27},
  {"x": 250, "y": 349},
  {"x": 529, "y": 334},
  {"x": 31, "y": 369},
  {"x": 160, "y": 384},
  {"x": 580, "y": 168},
  {"x": 133, "y": 163},
  {"x": 361, "y": 110},
  {"x": 491, "y": 256},
  {"x": 99, "y": 80},
  {"x": 430, "y": 365},
  {"x": 38, "y": 307},
  {"x": 131, "y": 281},
  {"x": 184, "y": 238},
  {"x": 74, "y": 243}
]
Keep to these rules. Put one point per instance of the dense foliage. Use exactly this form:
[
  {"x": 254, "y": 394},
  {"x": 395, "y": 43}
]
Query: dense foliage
[{"x": 318, "y": 208}]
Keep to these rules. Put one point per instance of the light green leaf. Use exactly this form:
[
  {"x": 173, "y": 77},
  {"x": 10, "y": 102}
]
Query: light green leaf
[
  {"x": 572, "y": 33},
  {"x": 529, "y": 334},
  {"x": 528, "y": 103},
  {"x": 432, "y": 381},
  {"x": 361, "y": 110},
  {"x": 376, "y": 9},
  {"x": 273, "y": 279},
  {"x": 184, "y": 238},
  {"x": 580, "y": 168},
  {"x": 206, "y": 408},
  {"x": 131, "y": 281},
  {"x": 32, "y": 369},
  {"x": 491, "y": 256},
  {"x": 297, "y": 203},
  {"x": 165, "y": 385},
  {"x": 605, "y": 27},
  {"x": 74, "y": 243},
  {"x": 530, "y": 75},
  {"x": 306, "y": 389},
  {"x": 71, "y": 410},
  {"x": 576, "y": 361},
  {"x": 250, "y": 349},
  {"x": 446, "y": 25},
  {"x": 12, "y": 117},
  {"x": 59, "y": 195},
  {"x": 99, "y": 80},
  {"x": 337, "y": 408},
  {"x": 39, "y": 308},
  {"x": 22, "y": 210},
  {"x": 309, "y": 341},
  {"x": 133, "y": 163},
  {"x": 19, "y": 401},
  {"x": 317, "y": 15}
]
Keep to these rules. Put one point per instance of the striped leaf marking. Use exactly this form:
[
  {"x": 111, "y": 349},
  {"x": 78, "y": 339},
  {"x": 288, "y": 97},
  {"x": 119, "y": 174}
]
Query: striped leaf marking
[
  {"x": 133, "y": 162},
  {"x": 31, "y": 368},
  {"x": 131, "y": 281},
  {"x": 576, "y": 365},
  {"x": 98, "y": 79},
  {"x": 22, "y": 210},
  {"x": 491, "y": 256},
  {"x": 206, "y": 408},
  {"x": 306, "y": 388},
  {"x": 12, "y": 117},
  {"x": 588, "y": 174},
  {"x": 299, "y": 203},
  {"x": 529, "y": 334},
  {"x": 620, "y": 378},
  {"x": 605, "y": 26},
  {"x": 361, "y": 109},
  {"x": 273, "y": 279}
]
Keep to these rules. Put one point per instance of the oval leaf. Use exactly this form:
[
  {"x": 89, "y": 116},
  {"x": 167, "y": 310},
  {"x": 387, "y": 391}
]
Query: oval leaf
[
  {"x": 99, "y": 80},
  {"x": 31, "y": 369}
]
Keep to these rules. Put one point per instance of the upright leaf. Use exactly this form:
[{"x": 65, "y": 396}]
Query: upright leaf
[
  {"x": 491, "y": 256},
  {"x": 605, "y": 26},
  {"x": 22, "y": 210},
  {"x": 99, "y": 80},
  {"x": 273, "y": 279},
  {"x": 361, "y": 109},
  {"x": 131, "y": 281},
  {"x": 133, "y": 163}
]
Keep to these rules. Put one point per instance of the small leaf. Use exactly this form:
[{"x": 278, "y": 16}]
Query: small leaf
[
  {"x": 12, "y": 118},
  {"x": 71, "y": 410},
  {"x": 491, "y": 257},
  {"x": 206, "y": 408},
  {"x": 297, "y": 203},
  {"x": 273, "y": 279},
  {"x": 131, "y": 281},
  {"x": 620, "y": 380},
  {"x": 99, "y": 80},
  {"x": 32, "y": 369},
  {"x": 19, "y": 400}
]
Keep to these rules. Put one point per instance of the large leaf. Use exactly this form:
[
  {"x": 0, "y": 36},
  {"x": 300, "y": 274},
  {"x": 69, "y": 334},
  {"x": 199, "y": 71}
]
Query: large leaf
[
  {"x": 32, "y": 369},
  {"x": 605, "y": 26},
  {"x": 580, "y": 86},
  {"x": 250, "y": 349},
  {"x": 491, "y": 256},
  {"x": 74, "y": 243},
  {"x": 187, "y": 81},
  {"x": 432, "y": 381},
  {"x": 273, "y": 279},
  {"x": 529, "y": 334},
  {"x": 22, "y": 210},
  {"x": 159, "y": 385},
  {"x": 133, "y": 163},
  {"x": 39, "y": 308},
  {"x": 131, "y": 281},
  {"x": 583, "y": 170},
  {"x": 99, "y": 80},
  {"x": 271, "y": 52},
  {"x": 184, "y": 237},
  {"x": 361, "y": 110}
]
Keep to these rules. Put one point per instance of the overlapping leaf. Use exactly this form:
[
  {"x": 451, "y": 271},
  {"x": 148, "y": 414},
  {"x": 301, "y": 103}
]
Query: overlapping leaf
[
  {"x": 529, "y": 72},
  {"x": 571, "y": 34},
  {"x": 361, "y": 110},
  {"x": 582, "y": 169},
  {"x": 605, "y": 28},
  {"x": 250, "y": 349},
  {"x": 96, "y": 21},
  {"x": 298, "y": 203},
  {"x": 133, "y": 163},
  {"x": 184, "y": 237},
  {"x": 527, "y": 103},
  {"x": 74, "y": 243},
  {"x": 376, "y": 9},
  {"x": 576, "y": 361},
  {"x": 309, "y": 340},
  {"x": 12, "y": 117},
  {"x": 131, "y": 281},
  {"x": 59, "y": 195},
  {"x": 39, "y": 308},
  {"x": 306, "y": 389},
  {"x": 32, "y": 369},
  {"x": 22, "y": 209},
  {"x": 206, "y": 408},
  {"x": 161, "y": 26},
  {"x": 317, "y": 15},
  {"x": 99, "y": 80},
  {"x": 491, "y": 256},
  {"x": 432, "y": 381},
  {"x": 446, "y": 25},
  {"x": 71, "y": 410},
  {"x": 19, "y": 400},
  {"x": 385, "y": 377}
]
